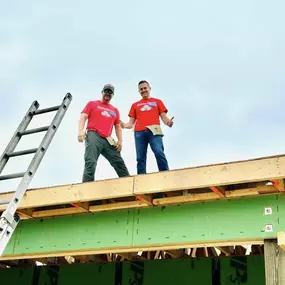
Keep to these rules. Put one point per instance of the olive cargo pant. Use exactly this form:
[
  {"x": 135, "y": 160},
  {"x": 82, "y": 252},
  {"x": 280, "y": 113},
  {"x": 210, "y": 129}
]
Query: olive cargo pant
[{"x": 96, "y": 145}]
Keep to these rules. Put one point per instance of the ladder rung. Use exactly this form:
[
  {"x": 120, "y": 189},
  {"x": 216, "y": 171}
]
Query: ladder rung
[
  {"x": 12, "y": 176},
  {"x": 47, "y": 110},
  {"x": 22, "y": 152},
  {"x": 34, "y": 131}
]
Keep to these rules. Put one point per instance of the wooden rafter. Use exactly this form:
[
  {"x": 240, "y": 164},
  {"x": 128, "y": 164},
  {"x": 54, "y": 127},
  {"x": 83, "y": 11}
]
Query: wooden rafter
[
  {"x": 278, "y": 184},
  {"x": 220, "y": 191},
  {"x": 145, "y": 198}
]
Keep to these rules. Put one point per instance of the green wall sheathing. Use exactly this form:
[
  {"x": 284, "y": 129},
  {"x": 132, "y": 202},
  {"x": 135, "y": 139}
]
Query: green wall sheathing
[
  {"x": 16, "y": 276},
  {"x": 210, "y": 221},
  {"x": 247, "y": 270},
  {"x": 187, "y": 271},
  {"x": 239, "y": 270},
  {"x": 85, "y": 274},
  {"x": 108, "y": 229},
  {"x": 77, "y": 274},
  {"x": 217, "y": 220}
]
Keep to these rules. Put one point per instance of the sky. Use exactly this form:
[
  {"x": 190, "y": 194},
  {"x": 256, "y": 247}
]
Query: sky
[{"x": 217, "y": 65}]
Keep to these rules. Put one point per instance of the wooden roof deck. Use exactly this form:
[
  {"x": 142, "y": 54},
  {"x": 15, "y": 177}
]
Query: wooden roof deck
[{"x": 229, "y": 180}]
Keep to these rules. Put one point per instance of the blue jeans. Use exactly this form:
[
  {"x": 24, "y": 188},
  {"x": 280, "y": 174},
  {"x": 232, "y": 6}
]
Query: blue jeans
[{"x": 142, "y": 139}]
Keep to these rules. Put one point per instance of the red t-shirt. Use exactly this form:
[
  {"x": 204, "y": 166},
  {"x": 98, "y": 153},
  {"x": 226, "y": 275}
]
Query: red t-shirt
[
  {"x": 101, "y": 117},
  {"x": 147, "y": 112}
]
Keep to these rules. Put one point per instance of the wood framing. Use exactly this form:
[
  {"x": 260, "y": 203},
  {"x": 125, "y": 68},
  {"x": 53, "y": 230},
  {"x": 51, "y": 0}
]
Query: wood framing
[
  {"x": 281, "y": 240},
  {"x": 74, "y": 193},
  {"x": 267, "y": 168},
  {"x": 274, "y": 263},
  {"x": 191, "y": 185}
]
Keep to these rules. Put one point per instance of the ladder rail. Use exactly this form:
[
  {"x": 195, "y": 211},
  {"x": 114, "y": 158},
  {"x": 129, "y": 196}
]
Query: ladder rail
[
  {"x": 21, "y": 189},
  {"x": 16, "y": 137},
  {"x": 9, "y": 218}
]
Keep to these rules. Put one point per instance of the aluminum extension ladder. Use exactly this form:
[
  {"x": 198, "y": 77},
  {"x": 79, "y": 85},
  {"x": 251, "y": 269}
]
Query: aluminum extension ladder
[{"x": 9, "y": 218}]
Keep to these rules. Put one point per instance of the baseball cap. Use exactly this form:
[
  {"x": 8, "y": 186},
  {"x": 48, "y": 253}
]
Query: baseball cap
[{"x": 109, "y": 86}]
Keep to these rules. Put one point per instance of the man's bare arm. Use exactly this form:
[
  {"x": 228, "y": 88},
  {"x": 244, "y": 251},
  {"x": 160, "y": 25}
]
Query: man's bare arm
[
  {"x": 118, "y": 131},
  {"x": 81, "y": 125},
  {"x": 129, "y": 124}
]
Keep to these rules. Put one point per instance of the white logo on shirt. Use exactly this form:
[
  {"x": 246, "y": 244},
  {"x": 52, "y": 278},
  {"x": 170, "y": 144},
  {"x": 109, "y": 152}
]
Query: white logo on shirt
[
  {"x": 146, "y": 108},
  {"x": 106, "y": 114}
]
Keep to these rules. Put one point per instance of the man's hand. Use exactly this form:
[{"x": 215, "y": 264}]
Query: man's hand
[
  {"x": 118, "y": 146},
  {"x": 81, "y": 136},
  {"x": 170, "y": 122},
  {"x": 122, "y": 124}
]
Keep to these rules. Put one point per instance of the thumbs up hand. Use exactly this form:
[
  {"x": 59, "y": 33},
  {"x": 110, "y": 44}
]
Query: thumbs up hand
[{"x": 170, "y": 122}]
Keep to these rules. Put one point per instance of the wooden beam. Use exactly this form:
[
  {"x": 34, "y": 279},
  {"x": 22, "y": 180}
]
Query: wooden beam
[
  {"x": 212, "y": 252},
  {"x": 193, "y": 253},
  {"x": 69, "y": 259},
  {"x": 227, "y": 250},
  {"x": 210, "y": 196},
  {"x": 278, "y": 184},
  {"x": 185, "y": 199},
  {"x": 157, "y": 254},
  {"x": 254, "y": 170},
  {"x": 145, "y": 198},
  {"x": 281, "y": 240},
  {"x": 274, "y": 263},
  {"x": 117, "y": 206},
  {"x": 93, "y": 209},
  {"x": 28, "y": 214},
  {"x": 81, "y": 205},
  {"x": 205, "y": 249},
  {"x": 57, "y": 212},
  {"x": 220, "y": 191},
  {"x": 74, "y": 193}
]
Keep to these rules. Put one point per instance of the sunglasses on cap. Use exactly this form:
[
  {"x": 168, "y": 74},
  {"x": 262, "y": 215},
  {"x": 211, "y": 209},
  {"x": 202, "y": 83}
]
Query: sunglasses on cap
[{"x": 108, "y": 91}]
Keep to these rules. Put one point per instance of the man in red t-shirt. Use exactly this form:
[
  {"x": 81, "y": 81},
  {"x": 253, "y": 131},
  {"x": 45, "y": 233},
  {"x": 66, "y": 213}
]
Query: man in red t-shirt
[
  {"x": 101, "y": 117},
  {"x": 145, "y": 116}
]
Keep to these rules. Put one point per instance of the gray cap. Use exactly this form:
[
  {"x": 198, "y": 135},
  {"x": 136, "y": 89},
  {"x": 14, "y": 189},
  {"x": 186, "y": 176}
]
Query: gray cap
[{"x": 109, "y": 86}]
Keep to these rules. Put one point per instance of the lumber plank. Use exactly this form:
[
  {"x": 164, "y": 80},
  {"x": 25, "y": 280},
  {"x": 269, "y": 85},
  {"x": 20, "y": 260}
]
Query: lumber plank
[
  {"x": 117, "y": 206},
  {"x": 261, "y": 169},
  {"x": 281, "y": 240},
  {"x": 74, "y": 193},
  {"x": 211, "y": 196},
  {"x": 57, "y": 212},
  {"x": 186, "y": 199},
  {"x": 93, "y": 209},
  {"x": 274, "y": 263}
]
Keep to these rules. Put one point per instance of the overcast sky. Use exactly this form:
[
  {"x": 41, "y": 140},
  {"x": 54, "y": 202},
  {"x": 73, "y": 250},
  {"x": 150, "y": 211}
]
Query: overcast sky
[{"x": 217, "y": 65}]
